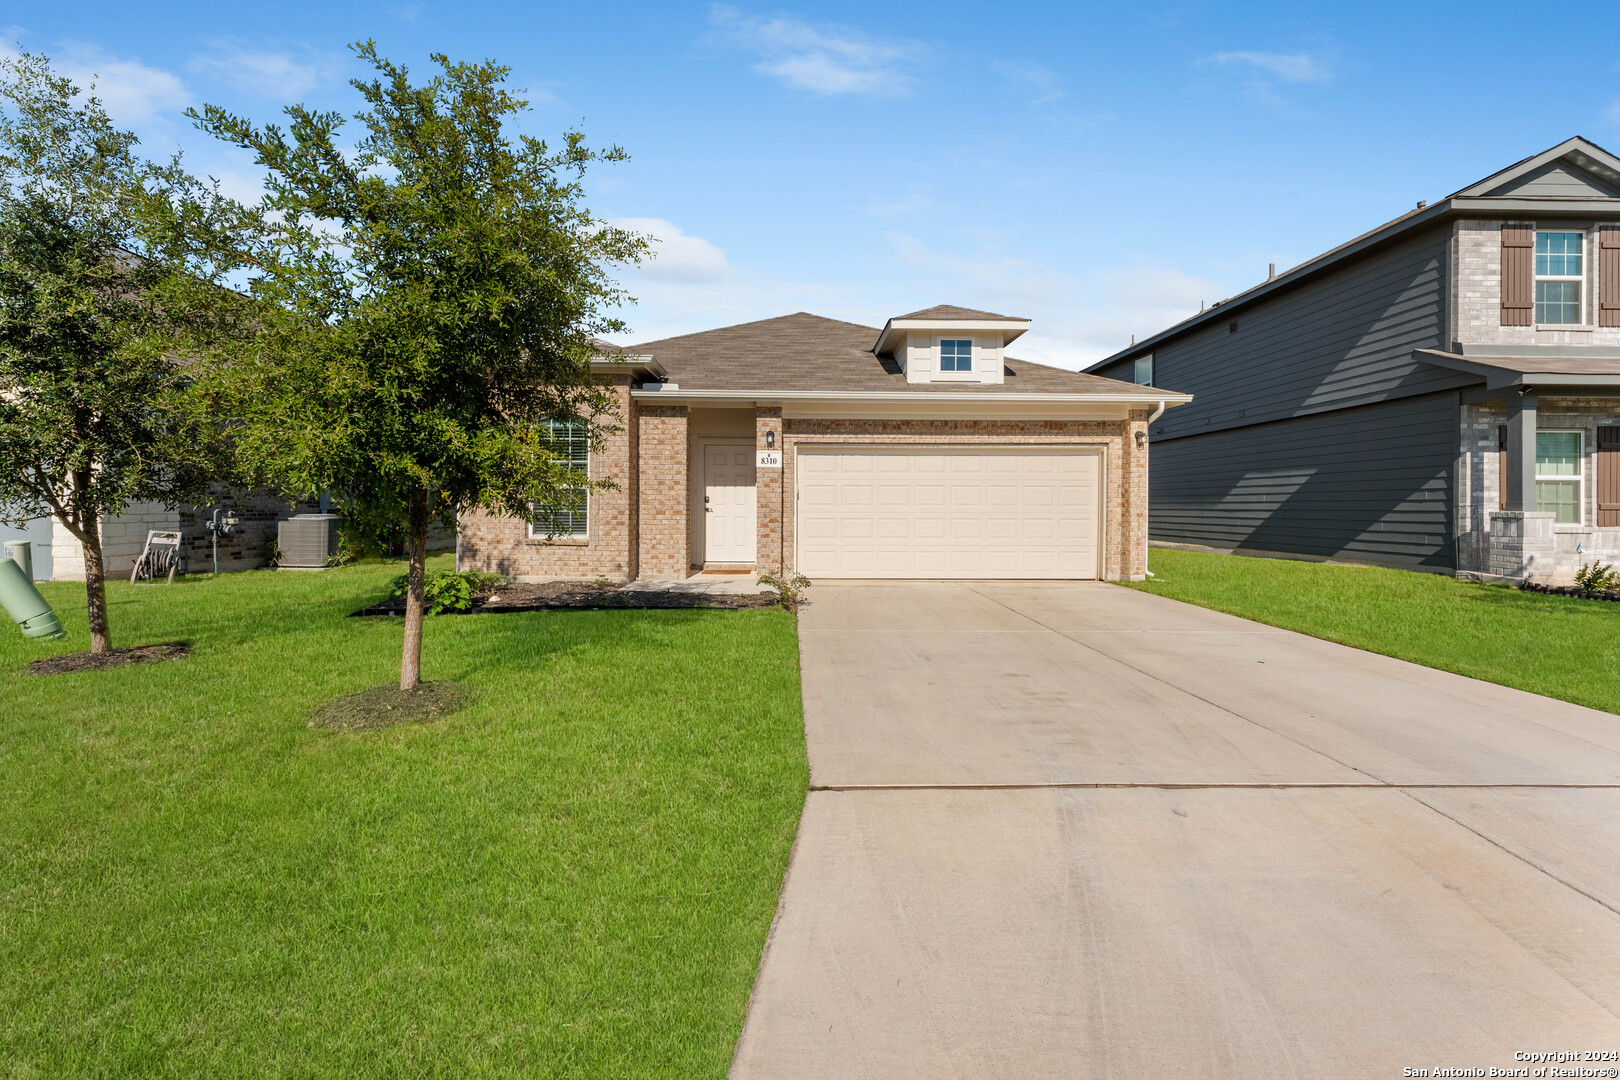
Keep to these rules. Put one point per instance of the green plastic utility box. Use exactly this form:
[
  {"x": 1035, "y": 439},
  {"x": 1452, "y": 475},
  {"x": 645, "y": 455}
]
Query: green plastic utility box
[{"x": 24, "y": 603}]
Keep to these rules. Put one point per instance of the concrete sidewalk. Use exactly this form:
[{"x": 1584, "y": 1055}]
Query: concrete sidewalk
[{"x": 1076, "y": 830}]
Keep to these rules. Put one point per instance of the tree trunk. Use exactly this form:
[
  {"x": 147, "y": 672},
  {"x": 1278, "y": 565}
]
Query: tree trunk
[
  {"x": 410, "y": 664},
  {"x": 95, "y": 587}
]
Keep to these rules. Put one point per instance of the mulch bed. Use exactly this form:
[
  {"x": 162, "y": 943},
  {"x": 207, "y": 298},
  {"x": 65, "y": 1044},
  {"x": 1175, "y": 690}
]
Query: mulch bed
[
  {"x": 1612, "y": 595},
  {"x": 585, "y": 595},
  {"x": 84, "y": 661},
  {"x": 389, "y": 706}
]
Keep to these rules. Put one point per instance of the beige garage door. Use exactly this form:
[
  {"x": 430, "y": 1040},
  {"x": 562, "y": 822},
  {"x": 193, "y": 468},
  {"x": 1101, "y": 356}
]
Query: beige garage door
[{"x": 948, "y": 512}]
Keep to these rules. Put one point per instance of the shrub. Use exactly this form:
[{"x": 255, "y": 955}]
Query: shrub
[
  {"x": 272, "y": 551},
  {"x": 789, "y": 590},
  {"x": 1593, "y": 578},
  {"x": 449, "y": 590}
]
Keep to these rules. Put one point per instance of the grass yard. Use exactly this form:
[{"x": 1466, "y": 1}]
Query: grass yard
[
  {"x": 574, "y": 876},
  {"x": 1557, "y": 646}
]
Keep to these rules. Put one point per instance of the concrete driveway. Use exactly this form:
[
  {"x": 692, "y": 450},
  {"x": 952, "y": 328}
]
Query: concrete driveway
[{"x": 1079, "y": 831}]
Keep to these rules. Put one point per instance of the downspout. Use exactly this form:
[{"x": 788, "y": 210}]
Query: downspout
[{"x": 1147, "y": 430}]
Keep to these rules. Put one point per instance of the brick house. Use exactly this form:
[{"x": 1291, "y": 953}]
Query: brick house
[
  {"x": 1441, "y": 393},
  {"x": 805, "y": 444}
]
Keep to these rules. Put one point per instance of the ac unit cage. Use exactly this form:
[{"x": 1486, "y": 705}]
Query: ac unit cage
[{"x": 308, "y": 539}]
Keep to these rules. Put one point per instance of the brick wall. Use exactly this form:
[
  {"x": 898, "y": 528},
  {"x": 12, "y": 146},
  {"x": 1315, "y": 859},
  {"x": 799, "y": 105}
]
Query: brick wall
[
  {"x": 124, "y": 535},
  {"x": 1477, "y": 291},
  {"x": 662, "y": 550},
  {"x": 504, "y": 545},
  {"x": 769, "y": 486}
]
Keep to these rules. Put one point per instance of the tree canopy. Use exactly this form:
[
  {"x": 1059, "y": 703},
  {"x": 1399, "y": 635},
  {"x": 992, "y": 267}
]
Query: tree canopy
[
  {"x": 430, "y": 293},
  {"x": 113, "y": 273}
]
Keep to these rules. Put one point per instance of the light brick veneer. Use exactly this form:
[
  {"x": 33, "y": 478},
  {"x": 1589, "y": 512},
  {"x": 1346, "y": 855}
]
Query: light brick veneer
[
  {"x": 768, "y": 488},
  {"x": 662, "y": 508},
  {"x": 503, "y": 544},
  {"x": 641, "y": 530}
]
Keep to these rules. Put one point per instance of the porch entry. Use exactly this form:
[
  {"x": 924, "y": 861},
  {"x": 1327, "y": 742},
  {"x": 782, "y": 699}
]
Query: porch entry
[{"x": 729, "y": 502}]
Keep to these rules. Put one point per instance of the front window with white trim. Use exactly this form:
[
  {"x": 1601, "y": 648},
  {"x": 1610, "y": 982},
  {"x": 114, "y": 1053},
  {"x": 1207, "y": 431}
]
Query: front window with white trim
[
  {"x": 1559, "y": 277},
  {"x": 1558, "y": 474},
  {"x": 956, "y": 354},
  {"x": 567, "y": 518},
  {"x": 1142, "y": 370}
]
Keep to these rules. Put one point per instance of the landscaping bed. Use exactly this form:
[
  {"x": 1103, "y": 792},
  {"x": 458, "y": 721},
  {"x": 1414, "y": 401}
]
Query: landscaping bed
[
  {"x": 586, "y": 596},
  {"x": 1611, "y": 595},
  {"x": 89, "y": 661}
]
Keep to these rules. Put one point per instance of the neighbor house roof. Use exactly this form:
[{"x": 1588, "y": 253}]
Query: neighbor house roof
[
  {"x": 951, "y": 311},
  {"x": 1498, "y": 194},
  {"x": 1549, "y": 370},
  {"x": 804, "y": 352}
]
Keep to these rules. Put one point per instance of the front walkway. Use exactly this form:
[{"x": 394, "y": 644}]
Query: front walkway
[{"x": 1082, "y": 831}]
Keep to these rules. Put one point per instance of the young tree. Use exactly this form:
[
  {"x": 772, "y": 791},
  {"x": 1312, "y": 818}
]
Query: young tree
[
  {"x": 434, "y": 290},
  {"x": 110, "y": 268}
]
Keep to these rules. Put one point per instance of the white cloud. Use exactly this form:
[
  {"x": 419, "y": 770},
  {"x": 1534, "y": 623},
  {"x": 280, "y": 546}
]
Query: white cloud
[
  {"x": 1284, "y": 67},
  {"x": 676, "y": 256},
  {"x": 267, "y": 73},
  {"x": 820, "y": 59},
  {"x": 132, "y": 92}
]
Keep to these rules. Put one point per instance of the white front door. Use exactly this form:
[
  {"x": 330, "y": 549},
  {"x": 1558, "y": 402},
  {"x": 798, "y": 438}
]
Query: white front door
[{"x": 729, "y": 503}]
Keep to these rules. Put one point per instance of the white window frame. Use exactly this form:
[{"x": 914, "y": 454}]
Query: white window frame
[
  {"x": 1579, "y": 478},
  {"x": 1136, "y": 370},
  {"x": 970, "y": 357},
  {"x": 1578, "y": 278},
  {"x": 584, "y": 511}
]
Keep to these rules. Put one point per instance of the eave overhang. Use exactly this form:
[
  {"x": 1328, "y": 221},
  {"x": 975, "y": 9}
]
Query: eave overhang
[
  {"x": 896, "y": 329},
  {"x": 899, "y": 403},
  {"x": 1507, "y": 372},
  {"x": 637, "y": 367}
]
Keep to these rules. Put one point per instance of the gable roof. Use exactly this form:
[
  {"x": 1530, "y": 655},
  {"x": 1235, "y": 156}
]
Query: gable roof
[
  {"x": 951, "y": 311},
  {"x": 1503, "y": 192},
  {"x": 804, "y": 352},
  {"x": 1570, "y": 158}
]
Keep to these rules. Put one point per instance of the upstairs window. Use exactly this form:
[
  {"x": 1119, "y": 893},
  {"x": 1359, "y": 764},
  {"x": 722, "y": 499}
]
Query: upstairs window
[
  {"x": 567, "y": 517},
  {"x": 1142, "y": 375},
  {"x": 1558, "y": 474},
  {"x": 1559, "y": 277},
  {"x": 956, "y": 355}
]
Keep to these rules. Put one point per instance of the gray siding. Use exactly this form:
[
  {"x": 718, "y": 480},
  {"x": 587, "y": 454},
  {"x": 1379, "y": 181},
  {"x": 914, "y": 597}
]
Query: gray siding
[
  {"x": 1373, "y": 483},
  {"x": 1343, "y": 340},
  {"x": 1558, "y": 179}
]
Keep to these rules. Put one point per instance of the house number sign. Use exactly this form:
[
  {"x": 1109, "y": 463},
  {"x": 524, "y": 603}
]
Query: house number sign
[{"x": 769, "y": 459}]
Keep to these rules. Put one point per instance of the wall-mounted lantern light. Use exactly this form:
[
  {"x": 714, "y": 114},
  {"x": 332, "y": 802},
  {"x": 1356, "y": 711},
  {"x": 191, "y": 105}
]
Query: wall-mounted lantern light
[
  {"x": 770, "y": 439},
  {"x": 1141, "y": 438}
]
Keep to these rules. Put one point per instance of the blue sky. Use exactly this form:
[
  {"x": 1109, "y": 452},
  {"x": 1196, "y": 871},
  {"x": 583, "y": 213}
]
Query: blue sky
[{"x": 1100, "y": 169}]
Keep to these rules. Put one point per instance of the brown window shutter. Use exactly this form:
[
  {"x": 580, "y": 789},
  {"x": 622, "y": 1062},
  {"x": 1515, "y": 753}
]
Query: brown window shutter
[
  {"x": 1609, "y": 275},
  {"x": 1608, "y": 476},
  {"x": 1518, "y": 274},
  {"x": 1501, "y": 467}
]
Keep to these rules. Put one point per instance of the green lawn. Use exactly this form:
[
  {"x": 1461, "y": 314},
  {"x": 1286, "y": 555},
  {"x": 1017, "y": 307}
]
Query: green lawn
[
  {"x": 1558, "y": 646},
  {"x": 572, "y": 877}
]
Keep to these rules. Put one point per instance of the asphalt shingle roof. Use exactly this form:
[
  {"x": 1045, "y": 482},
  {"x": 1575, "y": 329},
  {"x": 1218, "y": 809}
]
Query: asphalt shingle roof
[
  {"x": 951, "y": 311},
  {"x": 809, "y": 352}
]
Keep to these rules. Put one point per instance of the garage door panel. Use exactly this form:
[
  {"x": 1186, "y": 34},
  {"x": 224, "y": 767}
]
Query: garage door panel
[{"x": 1009, "y": 512}]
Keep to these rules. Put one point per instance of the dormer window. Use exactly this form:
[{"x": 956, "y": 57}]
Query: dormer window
[
  {"x": 955, "y": 354},
  {"x": 1559, "y": 275}
]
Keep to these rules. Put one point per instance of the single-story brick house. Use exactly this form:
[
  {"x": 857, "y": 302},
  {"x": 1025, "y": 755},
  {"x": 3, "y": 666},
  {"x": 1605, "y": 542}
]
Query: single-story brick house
[{"x": 809, "y": 445}]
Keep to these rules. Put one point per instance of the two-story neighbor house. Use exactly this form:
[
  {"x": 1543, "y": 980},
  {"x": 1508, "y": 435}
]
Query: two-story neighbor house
[
  {"x": 806, "y": 444},
  {"x": 1440, "y": 393}
]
